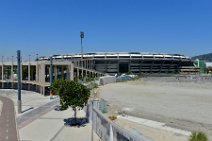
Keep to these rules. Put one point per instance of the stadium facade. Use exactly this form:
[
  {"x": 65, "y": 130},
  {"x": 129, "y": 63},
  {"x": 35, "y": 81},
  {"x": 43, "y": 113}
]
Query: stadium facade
[{"x": 135, "y": 62}]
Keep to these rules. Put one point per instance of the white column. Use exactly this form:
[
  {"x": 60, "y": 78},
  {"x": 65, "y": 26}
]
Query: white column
[
  {"x": 55, "y": 72},
  {"x": 37, "y": 73},
  {"x": 77, "y": 72},
  {"x": 42, "y": 73},
  {"x": 70, "y": 72},
  {"x": 62, "y": 72}
]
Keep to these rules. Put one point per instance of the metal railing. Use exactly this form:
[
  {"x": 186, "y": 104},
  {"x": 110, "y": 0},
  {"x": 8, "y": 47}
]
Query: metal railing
[{"x": 108, "y": 130}]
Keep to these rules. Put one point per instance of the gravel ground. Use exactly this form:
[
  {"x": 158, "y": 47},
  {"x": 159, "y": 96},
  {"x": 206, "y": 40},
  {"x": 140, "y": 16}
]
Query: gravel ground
[{"x": 180, "y": 103}]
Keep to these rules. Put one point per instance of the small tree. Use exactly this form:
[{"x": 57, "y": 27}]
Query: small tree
[
  {"x": 198, "y": 136},
  {"x": 72, "y": 94}
]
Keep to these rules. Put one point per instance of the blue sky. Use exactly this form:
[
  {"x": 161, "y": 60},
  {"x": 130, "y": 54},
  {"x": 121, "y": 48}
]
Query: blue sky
[{"x": 52, "y": 26}]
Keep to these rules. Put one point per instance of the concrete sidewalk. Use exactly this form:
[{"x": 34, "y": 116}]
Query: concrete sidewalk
[
  {"x": 50, "y": 127},
  {"x": 39, "y": 121},
  {"x": 30, "y": 100}
]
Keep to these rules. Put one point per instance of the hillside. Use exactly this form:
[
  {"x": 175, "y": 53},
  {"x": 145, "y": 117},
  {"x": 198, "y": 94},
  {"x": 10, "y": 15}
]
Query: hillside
[{"x": 206, "y": 57}]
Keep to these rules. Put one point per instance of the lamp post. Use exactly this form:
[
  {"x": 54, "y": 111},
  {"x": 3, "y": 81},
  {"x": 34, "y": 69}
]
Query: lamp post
[
  {"x": 81, "y": 37},
  {"x": 19, "y": 80},
  {"x": 29, "y": 67},
  {"x": 2, "y": 60},
  {"x": 12, "y": 70}
]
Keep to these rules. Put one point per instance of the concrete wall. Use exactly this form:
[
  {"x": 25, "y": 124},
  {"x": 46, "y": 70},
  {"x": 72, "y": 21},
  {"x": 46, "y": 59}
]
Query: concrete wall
[
  {"x": 26, "y": 86},
  {"x": 106, "y": 80}
]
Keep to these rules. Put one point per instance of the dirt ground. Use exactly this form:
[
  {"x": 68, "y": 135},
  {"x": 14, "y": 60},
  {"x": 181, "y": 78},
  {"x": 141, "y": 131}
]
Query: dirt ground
[{"x": 179, "y": 103}]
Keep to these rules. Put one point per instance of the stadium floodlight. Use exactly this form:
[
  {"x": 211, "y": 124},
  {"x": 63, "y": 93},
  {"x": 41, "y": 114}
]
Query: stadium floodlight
[
  {"x": 81, "y": 37},
  {"x": 81, "y": 34}
]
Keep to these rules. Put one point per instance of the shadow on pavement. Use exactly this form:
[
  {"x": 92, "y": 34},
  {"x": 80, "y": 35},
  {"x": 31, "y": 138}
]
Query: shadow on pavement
[
  {"x": 57, "y": 108},
  {"x": 27, "y": 109},
  {"x": 80, "y": 122}
]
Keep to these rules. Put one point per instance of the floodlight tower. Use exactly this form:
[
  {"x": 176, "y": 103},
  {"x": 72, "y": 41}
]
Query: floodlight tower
[{"x": 81, "y": 37}]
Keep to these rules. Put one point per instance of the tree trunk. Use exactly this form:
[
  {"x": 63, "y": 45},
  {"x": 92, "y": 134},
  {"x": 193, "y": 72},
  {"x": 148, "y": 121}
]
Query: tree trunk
[{"x": 75, "y": 115}]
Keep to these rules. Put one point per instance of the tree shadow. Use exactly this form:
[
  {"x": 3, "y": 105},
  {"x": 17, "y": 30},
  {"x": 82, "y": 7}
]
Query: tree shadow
[{"x": 78, "y": 122}]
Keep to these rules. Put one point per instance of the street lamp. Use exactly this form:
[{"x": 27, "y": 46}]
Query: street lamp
[
  {"x": 19, "y": 80},
  {"x": 12, "y": 73}
]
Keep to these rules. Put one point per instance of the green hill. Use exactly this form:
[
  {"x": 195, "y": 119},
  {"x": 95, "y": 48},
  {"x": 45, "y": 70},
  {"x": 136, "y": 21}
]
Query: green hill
[{"x": 205, "y": 57}]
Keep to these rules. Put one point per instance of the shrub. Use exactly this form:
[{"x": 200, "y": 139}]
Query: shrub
[
  {"x": 198, "y": 136},
  {"x": 113, "y": 117}
]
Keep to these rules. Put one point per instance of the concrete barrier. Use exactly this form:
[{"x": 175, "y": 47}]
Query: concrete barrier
[{"x": 106, "y": 80}]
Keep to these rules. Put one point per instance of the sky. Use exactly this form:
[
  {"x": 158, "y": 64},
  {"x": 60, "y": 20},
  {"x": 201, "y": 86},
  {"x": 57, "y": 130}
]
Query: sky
[{"x": 47, "y": 27}]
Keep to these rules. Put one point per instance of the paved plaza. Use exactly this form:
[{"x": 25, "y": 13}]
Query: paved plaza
[{"x": 40, "y": 121}]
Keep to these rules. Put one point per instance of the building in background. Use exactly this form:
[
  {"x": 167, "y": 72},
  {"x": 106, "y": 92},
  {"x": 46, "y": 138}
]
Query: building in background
[
  {"x": 200, "y": 64},
  {"x": 209, "y": 67},
  {"x": 131, "y": 62}
]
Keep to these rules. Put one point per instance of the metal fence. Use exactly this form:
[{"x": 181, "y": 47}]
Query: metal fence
[{"x": 108, "y": 130}]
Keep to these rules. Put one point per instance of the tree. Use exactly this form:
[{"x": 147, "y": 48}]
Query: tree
[
  {"x": 198, "y": 136},
  {"x": 72, "y": 94}
]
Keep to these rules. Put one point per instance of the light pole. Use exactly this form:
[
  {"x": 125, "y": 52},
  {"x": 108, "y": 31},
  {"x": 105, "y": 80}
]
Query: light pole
[
  {"x": 92, "y": 121},
  {"x": 81, "y": 37},
  {"x": 12, "y": 69},
  {"x": 2, "y": 60},
  {"x": 19, "y": 80}
]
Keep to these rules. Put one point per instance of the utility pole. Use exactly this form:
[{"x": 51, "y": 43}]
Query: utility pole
[{"x": 19, "y": 80}]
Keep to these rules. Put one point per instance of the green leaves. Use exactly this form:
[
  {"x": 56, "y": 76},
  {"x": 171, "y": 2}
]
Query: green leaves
[{"x": 71, "y": 93}]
